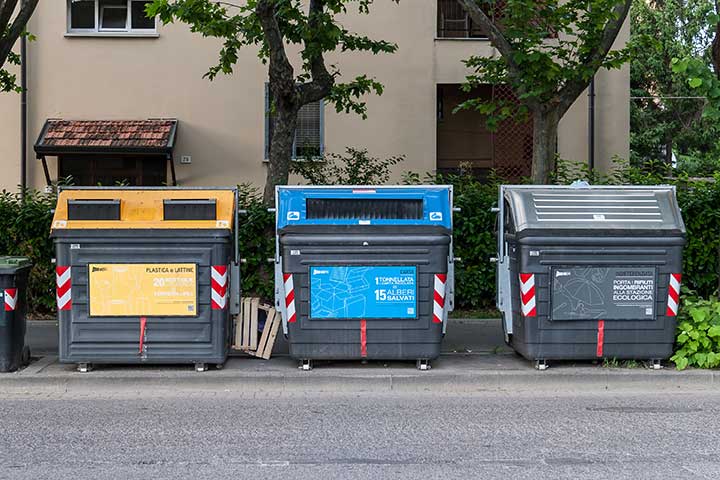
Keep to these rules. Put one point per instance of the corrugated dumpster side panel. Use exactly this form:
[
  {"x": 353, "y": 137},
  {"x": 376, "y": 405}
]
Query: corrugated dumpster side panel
[
  {"x": 203, "y": 337},
  {"x": 13, "y": 308},
  {"x": 538, "y": 337},
  {"x": 387, "y": 338}
]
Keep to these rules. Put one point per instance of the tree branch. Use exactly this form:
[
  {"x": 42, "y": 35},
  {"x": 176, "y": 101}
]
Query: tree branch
[
  {"x": 281, "y": 72},
  {"x": 7, "y": 41},
  {"x": 497, "y": 38},
  {"x": 322, "y": 81},
  {"x": 572, "y": 90},
  {"x": 7, "y": 8}
]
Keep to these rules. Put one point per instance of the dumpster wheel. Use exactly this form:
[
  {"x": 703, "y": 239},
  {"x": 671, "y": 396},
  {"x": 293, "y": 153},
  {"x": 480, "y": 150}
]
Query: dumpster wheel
[
  {"x": 25, "y": 358},
  {"x": 423, "y": 364},
  {"x": 506, "y": 336}
]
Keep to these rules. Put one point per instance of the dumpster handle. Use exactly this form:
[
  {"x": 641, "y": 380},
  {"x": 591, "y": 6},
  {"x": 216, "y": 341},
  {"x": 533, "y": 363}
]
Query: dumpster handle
[
  {"x": 143, "y": 324},
  {"x": 237, "y": 226}
]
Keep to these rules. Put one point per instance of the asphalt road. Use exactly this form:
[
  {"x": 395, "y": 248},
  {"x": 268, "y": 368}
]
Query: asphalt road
[{"x": 218, "y": 435}]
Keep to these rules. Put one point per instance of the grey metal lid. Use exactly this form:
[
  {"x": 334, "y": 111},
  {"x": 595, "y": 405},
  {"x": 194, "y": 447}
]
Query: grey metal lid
[
  {"x": 584, "y": 207},
  {"x": 10, "y": 265}
]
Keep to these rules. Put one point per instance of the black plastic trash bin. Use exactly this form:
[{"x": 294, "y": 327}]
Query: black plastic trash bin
[
  {"x": 146, "y": 275},
  {"x": 589, "y": 272},
  {"x": 13, "y": 285},
  {"x": 364, "y": 272}
]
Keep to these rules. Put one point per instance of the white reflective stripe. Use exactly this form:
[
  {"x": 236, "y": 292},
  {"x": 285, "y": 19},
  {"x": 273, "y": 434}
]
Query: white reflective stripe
[
  {"x": 439, "y": 286},
  {"x": 218, "y": 299},
  {"x": 10, "y": 301},
  {"x": 674, "y": 284},
  {"x": 525, "y": 287},
  {"x": 62, "y": 301},
  {"x": 64, "y": 278},
  {"x": 672, "y": 305},
  {"x": 527, "y": 307},
  {"x": 291, "y": 310},
  {"x": 289, "y": 285},
  {"x": 438, "y": 311},
  {"x": 219, "y": 278}
]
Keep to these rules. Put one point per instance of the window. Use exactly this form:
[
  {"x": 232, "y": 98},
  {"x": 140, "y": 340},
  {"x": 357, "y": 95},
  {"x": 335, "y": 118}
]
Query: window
[
  {"x": 309, "y": 134},
  {"x": 454, "y": 22},
  {"x": 109, "y": 16},
  {"x": 110, "y": 170}
]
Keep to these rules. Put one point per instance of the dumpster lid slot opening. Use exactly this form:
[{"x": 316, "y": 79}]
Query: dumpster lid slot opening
[
  {"x": 190, "y": 209},
  {"x": 93, "y": 209},
  {"x": 365, "y": 208}
]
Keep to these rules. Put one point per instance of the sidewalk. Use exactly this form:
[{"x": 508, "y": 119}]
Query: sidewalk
[{"x": 472, "y": 362}]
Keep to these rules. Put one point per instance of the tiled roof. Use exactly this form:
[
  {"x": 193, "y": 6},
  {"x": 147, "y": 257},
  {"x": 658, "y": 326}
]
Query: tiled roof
[{"x": 114, "y": 135}]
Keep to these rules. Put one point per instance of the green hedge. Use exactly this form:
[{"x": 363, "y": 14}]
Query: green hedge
[
  {"x": 25, "y": 228},
  {"x": 24, "y": 231}
]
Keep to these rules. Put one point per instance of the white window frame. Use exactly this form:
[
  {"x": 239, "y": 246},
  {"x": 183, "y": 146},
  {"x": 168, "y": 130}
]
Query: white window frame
[{"x": 98, "y": 31}]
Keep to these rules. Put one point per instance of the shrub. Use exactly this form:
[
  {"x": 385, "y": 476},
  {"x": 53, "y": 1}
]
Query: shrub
[
  {"x": 698, "y": 339},
  {"x": 355, "y": 167},
  {"x": 25, "y": 227},
  {"x": 257, "y": 243}
]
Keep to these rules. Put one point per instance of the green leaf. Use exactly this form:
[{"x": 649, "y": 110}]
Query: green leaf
[
  {"x": 681, "y": 363},
  {"x": 695, "y": 82},
  {"x": 714, "y": 331}
]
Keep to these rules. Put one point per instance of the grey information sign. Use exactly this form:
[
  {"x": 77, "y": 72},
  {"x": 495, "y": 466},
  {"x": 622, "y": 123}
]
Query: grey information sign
[{"x": 607, "y": 293}]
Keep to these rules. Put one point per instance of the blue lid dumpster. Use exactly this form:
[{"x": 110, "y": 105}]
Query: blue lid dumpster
[
  {"x": 364, "y": 272},
  {"x": 146, "y": 275},
  {"x": 588, "y": 272},
  {"x": 14, "y": 273}
]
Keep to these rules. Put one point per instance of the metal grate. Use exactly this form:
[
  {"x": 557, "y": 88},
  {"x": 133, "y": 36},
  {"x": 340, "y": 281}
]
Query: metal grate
[
  {"x": 364, "y": 209},
  {"x": 512, "y": 142}
]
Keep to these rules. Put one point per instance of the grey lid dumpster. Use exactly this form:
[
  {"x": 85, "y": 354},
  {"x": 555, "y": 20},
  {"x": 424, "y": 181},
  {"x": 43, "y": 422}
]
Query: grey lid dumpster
[
  {"x": 146, "y": 275},
  {"x": 589, "y": 272},
  {"x": 14, "y": 273},
  {"x": 364, "y": 272}
]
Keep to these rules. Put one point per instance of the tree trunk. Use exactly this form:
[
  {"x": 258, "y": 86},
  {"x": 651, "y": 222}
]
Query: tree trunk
[
  {"x": 283, "y": 136},
  {"x": 545, "y": 129},
  {"x": 715, "y": 47}
]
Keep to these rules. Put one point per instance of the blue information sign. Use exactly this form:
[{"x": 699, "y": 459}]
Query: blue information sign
[{"x": 363, "y": 292}]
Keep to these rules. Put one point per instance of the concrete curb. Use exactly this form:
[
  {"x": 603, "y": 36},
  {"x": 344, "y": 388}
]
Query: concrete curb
[{"x": 456, "y": 375}]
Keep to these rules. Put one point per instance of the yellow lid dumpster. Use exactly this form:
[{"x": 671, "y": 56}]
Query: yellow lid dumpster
[{"x": 146, "y": 275}]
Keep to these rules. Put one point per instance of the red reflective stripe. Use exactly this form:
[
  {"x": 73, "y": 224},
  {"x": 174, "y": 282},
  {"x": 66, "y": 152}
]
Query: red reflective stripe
[
  {"x": 674, "y": 295},
  {"x": 61, "y": 269},
  {"x": 524, "y": 277},
  {"x": 440, "y": 300},
  {"x": 527, "y": 296},
  {"x": 532, "y": 313},
  {"x": 62, "y": 290},
  {"x": 293, "y": 318},
  {"x": 363, "y": 338},
  {"x": 442, "y": 277},
  {"x": 600, "y": 337},
  {"x": 143, "y": 324},
  {"x": 286, "y": 276},
  {"x": 290, "y": 297}
]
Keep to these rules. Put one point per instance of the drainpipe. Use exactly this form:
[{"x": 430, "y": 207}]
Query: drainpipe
[
  {"x": 591, "y": 124},
  {"x": 23, "y": 116}
]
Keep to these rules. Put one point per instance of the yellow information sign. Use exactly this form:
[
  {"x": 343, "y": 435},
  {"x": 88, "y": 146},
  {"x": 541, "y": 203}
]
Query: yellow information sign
[{"x": 142, "y": 289}]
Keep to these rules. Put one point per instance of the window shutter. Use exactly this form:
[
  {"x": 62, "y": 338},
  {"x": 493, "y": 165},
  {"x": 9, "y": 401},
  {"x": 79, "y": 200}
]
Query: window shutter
[{"x": 308, "y": 135}]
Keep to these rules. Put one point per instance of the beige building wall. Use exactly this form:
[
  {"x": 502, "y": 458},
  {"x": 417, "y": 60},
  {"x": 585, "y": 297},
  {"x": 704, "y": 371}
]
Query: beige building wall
[{"x": 222, "y": 122}]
